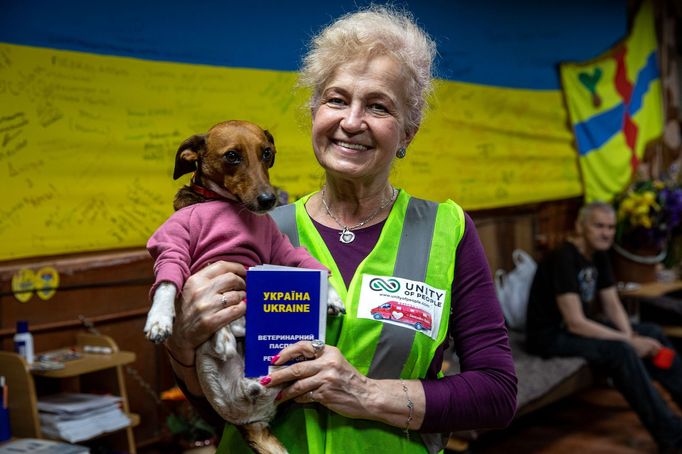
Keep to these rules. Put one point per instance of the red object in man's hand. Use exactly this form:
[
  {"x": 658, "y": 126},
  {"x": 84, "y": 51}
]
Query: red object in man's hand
[{"x": 664, "y": 358}]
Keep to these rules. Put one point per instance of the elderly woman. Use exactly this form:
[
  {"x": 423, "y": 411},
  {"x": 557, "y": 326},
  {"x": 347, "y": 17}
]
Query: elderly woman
[{"x": 377, "y": 385}]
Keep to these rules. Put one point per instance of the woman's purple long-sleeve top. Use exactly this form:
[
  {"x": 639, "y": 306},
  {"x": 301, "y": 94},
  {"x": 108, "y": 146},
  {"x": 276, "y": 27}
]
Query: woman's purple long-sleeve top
[{"x": 483, "y": 395}]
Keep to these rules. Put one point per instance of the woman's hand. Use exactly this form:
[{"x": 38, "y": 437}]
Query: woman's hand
[
  {"x": 210, "y": 299},
  {"x": 328, "y": 378},
  {"x": 332, "y": 381}
]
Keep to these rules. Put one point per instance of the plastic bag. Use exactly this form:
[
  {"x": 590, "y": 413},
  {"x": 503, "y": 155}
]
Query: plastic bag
[{"x": 513, "y": 289}]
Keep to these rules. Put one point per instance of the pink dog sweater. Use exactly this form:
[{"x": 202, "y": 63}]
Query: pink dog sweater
[{"x": 204, "y": 233}]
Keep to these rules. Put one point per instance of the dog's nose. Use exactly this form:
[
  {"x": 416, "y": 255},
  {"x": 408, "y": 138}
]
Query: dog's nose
[{"x": 266, "y": 200}]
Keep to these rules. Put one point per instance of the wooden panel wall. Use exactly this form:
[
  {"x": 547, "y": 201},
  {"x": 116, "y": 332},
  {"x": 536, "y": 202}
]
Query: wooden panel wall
[{"x": 535, "y": 228}]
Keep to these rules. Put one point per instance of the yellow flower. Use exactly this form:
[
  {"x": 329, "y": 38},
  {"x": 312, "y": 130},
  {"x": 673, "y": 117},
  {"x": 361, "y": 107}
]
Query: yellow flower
[
  {"x": 627, "y": 205},
  {"x": 649, "y": 197},
  {"x": 645, "y": 221},
  {"x": 641, "y": 210}
]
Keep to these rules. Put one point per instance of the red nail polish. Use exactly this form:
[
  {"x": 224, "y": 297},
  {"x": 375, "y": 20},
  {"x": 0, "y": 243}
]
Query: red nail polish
[
  {"x": 278, "y": 396},
  {"x": 274, "y": 359},
  {"x": 265, "y": 380}
]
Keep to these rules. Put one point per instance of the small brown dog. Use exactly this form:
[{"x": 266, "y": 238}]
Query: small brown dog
[
  {"x": 230, "y": 165},
  {"x": 232, "y": 160}
]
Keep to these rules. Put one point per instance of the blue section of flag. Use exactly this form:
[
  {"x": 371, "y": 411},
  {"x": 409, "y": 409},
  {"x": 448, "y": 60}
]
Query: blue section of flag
[
  {"x": 496, "y": 42},
  {"x": 519, "y": 44},
  {"x": 594, "y": 132},
  {"x": 646, "y": 76}
]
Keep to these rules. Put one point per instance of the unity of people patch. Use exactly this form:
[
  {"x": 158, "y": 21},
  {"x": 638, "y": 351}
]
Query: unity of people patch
[{"x": 402, "y": 302}]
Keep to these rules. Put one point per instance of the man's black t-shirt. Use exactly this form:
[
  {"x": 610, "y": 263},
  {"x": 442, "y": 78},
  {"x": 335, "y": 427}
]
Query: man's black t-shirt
[{"x": 564, "y": 270}]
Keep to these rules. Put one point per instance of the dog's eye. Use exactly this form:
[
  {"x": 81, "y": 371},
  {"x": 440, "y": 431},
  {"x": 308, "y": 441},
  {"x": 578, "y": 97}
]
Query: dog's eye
[
  {"x": 232, "y": 157},
  {"x": 267, "y": 154}
]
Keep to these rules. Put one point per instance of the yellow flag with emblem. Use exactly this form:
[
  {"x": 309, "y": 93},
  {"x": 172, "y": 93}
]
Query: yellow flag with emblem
[{"x": 615, "y": 107}]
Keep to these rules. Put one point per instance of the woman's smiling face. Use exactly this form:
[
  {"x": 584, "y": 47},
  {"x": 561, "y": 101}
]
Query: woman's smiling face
[{"x": 359, "y": 123}]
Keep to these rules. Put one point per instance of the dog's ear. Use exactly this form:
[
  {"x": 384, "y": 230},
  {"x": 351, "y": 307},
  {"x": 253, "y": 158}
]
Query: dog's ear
[
  {"x": 188, "y": 155},
  {"x": 269, "y": 136},
  {"x": 272, "y": 141}
]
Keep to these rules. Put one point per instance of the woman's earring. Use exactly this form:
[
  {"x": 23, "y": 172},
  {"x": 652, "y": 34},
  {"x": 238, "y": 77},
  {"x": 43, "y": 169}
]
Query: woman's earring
[{"x": 400, "y": 154}]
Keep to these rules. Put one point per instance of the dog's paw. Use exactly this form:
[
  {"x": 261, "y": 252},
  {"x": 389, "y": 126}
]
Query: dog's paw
[
  {"x": 224, "y": 344},
  {"x": 159, "y": 323},
  {"x": 335, "y": 304},
  {"x": 157, "y": 329},
  {"x": 252, "y": 388},
  {"x": 238, "y": 327}
]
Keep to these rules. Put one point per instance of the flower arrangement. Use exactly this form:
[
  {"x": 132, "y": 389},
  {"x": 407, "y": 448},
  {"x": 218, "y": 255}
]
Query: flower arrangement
[{"x": 648, "y": 214}]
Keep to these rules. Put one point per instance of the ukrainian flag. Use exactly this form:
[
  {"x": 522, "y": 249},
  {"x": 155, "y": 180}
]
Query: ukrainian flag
[
  {"x": 95, "y": 98},
  {"x": 615, "y": 107}
]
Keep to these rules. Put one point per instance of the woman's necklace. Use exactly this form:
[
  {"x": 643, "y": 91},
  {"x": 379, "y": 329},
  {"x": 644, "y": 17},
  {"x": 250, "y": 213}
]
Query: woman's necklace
[{"x": 346, "y": 235}]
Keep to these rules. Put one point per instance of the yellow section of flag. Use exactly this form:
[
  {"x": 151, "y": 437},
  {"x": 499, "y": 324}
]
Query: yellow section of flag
[{"x": 88, "y": 142}]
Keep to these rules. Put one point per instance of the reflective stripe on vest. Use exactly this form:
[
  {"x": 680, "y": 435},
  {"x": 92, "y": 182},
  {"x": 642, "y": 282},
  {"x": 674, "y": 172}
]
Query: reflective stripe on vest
[
  {"x": 413, "y": 258},
  {"x": 285, "y": 218}
]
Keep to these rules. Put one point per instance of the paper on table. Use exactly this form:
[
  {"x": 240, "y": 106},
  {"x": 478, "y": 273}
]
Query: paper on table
[
  {"x": 75, "y": 402},
  {"x": 36, "y": 446},
  {"x": 77, "y": 416},
  {"x": 85, "y": 429}
]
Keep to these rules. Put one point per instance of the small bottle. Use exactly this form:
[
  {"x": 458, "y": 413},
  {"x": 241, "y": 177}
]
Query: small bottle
[{"x": 23, "y": 341}]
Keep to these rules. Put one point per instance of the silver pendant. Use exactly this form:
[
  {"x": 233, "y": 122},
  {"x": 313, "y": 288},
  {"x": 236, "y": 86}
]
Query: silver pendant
[{"x": 346, "y": 236}]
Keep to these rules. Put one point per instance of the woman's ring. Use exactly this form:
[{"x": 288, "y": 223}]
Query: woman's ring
[
  {"x": 310, "y": 395},
  {"x": 317, "y": 345},
  {"x": 223, "y": 300}
]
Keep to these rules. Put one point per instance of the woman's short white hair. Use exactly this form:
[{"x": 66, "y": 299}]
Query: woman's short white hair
[{"x": 376, "y": 30}]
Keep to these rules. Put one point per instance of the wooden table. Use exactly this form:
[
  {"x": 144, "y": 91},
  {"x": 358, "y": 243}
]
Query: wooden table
[
  {"x": 652, "y": 289},
  {"x": 655, "y": 290}
]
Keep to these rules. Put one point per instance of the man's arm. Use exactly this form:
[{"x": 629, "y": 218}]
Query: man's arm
[
  {"x": 578, "y": 324},
  {"x": 613, "y": 308}
]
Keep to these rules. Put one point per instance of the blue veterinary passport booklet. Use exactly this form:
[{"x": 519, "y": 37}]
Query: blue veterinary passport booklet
[{"x": 284, "y": 305}]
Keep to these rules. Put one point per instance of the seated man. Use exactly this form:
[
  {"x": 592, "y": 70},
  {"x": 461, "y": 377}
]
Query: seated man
[{"x": 561, "y": 321}]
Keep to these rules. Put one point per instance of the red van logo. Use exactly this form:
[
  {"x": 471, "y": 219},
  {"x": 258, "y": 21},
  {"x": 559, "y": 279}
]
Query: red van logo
[{"x": 402, "y": 313}]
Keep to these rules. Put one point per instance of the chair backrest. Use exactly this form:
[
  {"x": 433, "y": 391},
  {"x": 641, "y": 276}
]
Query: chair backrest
[{"x": 23, "y": 412}]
